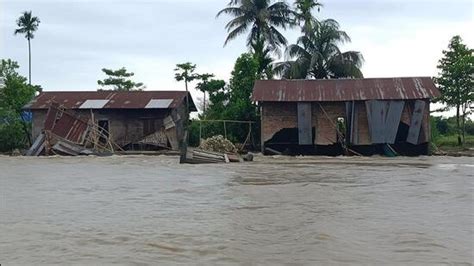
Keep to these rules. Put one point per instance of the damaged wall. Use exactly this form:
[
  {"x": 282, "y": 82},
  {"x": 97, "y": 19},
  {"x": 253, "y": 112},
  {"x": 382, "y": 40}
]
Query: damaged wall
[
  {"x": 126, "y": 126},
  {"x": 279, "y": 117},
  {"x": 325, "y": 120}
]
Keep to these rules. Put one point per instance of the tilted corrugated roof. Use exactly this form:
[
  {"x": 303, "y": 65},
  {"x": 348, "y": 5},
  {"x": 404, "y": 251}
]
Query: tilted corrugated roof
[
  {"x": 344, "y": 89},
  {"x": 114, "y": 99}
]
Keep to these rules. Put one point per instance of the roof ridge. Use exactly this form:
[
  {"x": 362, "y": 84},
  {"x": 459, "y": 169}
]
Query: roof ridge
[{"x": 312, "y": 80}]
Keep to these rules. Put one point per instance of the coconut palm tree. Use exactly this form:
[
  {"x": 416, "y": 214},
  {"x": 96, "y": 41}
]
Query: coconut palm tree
[
  {"x": 317, "y": 55},
  {"x": 262, "y": 17},
  {"x": 27, "y": 25},
  {"x": 304, "y": 13}
]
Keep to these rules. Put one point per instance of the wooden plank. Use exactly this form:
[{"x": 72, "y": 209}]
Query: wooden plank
[
  {"x": 37, "y": 146},
  {"x": 305, "y": 136},
  {"x": 416, "y": 120},
  {"x": 394, "y": 114},
  {"x": 368, "y": 110},
  {"x": 348, "y": 117},
  {"x": 378, "y": 111},
  {"x": 355, "y": 124}
]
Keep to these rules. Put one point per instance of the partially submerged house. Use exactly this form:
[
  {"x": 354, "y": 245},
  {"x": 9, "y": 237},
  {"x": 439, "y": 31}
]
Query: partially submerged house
[
  {"x": 337, "y": 116},
  {"x": 128, "y": 120}
]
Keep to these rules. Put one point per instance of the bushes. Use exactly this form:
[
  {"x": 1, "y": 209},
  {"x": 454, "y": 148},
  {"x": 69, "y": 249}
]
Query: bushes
[
  {"x": 12, "y": 134},
  {"x": 443, "y": 131}
]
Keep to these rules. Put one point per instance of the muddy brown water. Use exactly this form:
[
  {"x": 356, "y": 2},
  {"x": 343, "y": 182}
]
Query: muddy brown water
[{"x": 141, "y": 210}]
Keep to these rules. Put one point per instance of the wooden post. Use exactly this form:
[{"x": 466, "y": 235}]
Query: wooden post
[
  {"x": 200, "y": 132},
  {"x": 225, "y": 131}
]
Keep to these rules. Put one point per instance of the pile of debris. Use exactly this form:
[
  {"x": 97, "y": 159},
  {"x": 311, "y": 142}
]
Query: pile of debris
[
  {"x": 218, "y": 144},
  {"x": 67, "y": 133},
  {"x": 216, "y": 149}
]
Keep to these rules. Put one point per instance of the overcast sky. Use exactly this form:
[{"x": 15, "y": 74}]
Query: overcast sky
[{"x": 77, "y": 38}]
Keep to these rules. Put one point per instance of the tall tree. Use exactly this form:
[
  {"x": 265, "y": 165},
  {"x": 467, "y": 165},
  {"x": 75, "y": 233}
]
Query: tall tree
[
  {"x": 27, "y": 25},
  {"x": 203, "y": 86},
  {"x": 304, "y": 14},
  {"x": 119, "y": 80},
  {"x": 456, "y": 81},
  {"x": 264, "y": 19},
  {"x": 240, "y": 106},
  {"x": 317, "y": 55},
  {"x": 262, "y": 56},
  {"x": 185, "y": 72},
  {"x": 218, "y": 98}
]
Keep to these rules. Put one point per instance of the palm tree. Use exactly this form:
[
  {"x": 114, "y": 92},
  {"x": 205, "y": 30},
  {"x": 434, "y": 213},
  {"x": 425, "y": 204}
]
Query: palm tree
[
  {"x": 263, "y": 18},
  {"x": 304, "y": 13},
  {"x": 27, "y": 25},
  {"x": 316, "y": 54}
]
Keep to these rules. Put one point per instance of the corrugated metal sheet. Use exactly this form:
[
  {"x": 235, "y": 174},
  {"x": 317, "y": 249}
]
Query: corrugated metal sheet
[
  {"x": 93, "y": 104},
  {"x": 159, "y": 103},
  {"x": 65, "y": 124},
  {"x": 305, "y": 133},
  {"x": 116, "y": 100},
  {"x": 416, "y": 122},
  {"x": 344, "y": 89}
]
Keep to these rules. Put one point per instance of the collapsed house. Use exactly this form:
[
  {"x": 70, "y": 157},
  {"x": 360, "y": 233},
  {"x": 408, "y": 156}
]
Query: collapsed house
[
  {"x": 107, "y": 121},
  {"x": 344, "y": 116}
]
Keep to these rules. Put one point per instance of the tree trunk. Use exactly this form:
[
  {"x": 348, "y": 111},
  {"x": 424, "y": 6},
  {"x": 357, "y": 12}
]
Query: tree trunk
[
  {"x": 204, "y": 106},
  {"x": 458, "y": 124},
  {"x": 187, "y": 99},
  {"x": 463, "y": 128},
  {"x": 29, "y": 61}
]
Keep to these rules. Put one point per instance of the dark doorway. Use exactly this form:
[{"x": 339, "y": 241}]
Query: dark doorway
[{"x": 104, "y": 131}]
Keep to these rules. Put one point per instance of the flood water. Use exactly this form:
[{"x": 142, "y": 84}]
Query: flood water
[{"x": 147, "y": 210}]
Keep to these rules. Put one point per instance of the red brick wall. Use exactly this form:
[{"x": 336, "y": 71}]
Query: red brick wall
[
  {"x": 326, "y": 121},
  {"x": 277, "y": 116}
]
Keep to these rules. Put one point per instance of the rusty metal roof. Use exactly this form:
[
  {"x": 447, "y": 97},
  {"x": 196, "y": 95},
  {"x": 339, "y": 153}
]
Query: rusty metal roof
[
  {"x": 115, "y": 99},
  {"x": 344, "y": 89}
]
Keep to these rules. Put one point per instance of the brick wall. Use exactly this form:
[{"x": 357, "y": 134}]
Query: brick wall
[{"x": 277, "y": 116}]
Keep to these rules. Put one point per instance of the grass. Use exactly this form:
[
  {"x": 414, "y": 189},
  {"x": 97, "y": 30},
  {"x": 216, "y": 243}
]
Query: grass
[{"x": 452, "y": 141}]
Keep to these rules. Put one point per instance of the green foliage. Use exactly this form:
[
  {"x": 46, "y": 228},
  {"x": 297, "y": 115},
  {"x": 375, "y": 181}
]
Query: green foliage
[
  {"x": 218, "y": 99},
  {"x": 119, "y": 80},
  {"x": 304, "y": 14},
  {"x": 13, "y": 96},
  {"x": 317, "y": 55},
  {"x": 264, "y": 18},
  {"x": 456, "y": 81},
  {"x": 261, "y": 55},
  {"x": 185, "y": 72},
  {"x": 203, "y": 86},
  {"x": 230, "y": 102},
  {"x": 27, "y": 25},
  {"x": 452, "y": 141},
  {"x": 444, "y": 131},
  {"x": 12, "y": 134}
]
